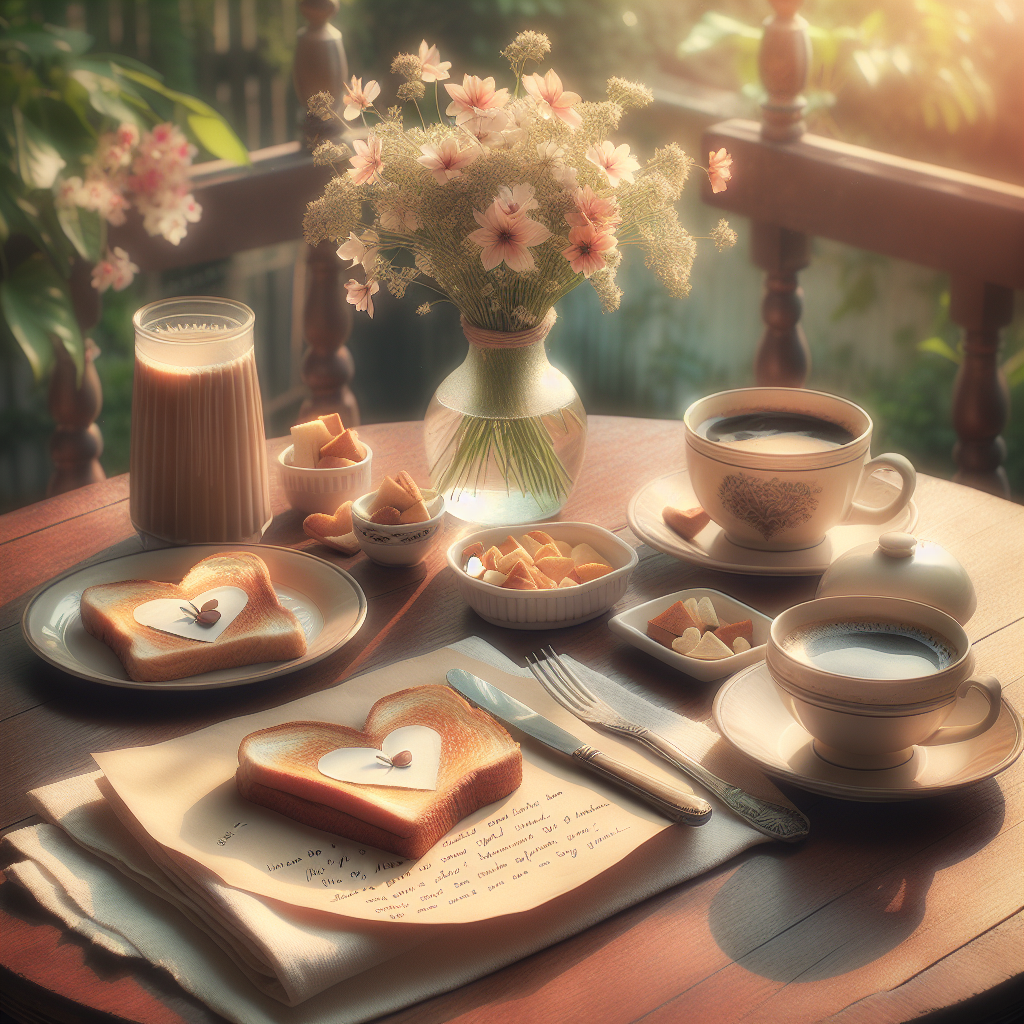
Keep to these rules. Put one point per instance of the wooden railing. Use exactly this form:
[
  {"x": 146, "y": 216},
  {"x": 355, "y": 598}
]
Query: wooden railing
[
  {"x": 794, "y": 185},
  {"x": 791, "y": 184}
]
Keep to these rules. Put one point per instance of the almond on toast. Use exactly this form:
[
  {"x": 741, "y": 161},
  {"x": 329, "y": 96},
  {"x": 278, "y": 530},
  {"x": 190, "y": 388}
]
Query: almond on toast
[
  {"x": 480, "y": 763},
  {"x": 262, "y": 631}
]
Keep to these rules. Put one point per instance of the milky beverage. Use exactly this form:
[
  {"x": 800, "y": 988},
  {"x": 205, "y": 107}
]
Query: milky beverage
[
  {"x": 785, "y": 433},
  {"x": 871, "y": 650},
  {"x": 198, "y": 450}
]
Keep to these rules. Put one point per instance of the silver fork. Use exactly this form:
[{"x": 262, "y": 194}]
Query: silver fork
[{"x": 783, "y": 823}]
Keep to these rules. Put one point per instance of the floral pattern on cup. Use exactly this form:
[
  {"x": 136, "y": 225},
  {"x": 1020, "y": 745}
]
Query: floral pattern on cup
[{"x": 769, "y": 506}]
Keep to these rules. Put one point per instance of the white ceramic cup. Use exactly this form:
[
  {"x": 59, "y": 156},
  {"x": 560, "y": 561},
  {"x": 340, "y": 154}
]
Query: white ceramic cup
[
  {"x": 405, "y": 544},
  {"x": 866, "y": 723},
  {"x": 775, "y": 501}
]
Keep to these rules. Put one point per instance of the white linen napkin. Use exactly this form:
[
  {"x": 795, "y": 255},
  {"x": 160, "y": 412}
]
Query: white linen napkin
[{"x": 245, "y": 955}]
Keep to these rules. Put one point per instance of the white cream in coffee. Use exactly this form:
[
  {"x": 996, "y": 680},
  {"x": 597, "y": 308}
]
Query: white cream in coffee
[
  {"x": 785, "y": 433},
  {"x": 871, "y": 650}
]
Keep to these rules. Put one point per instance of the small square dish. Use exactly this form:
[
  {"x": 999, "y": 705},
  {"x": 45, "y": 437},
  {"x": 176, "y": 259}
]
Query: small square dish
[{"x": 631, "y": 625}]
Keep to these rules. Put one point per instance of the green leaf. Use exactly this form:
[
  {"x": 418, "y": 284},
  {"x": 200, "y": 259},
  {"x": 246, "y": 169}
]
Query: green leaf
[
  {"x": 711, "y": 30},
  {"x": 218, "y": 138},
  {"x": 1014, "y": 368},
  {"x": 196, "y": 106},
  {"x": 105, "y": 96},
  {"x": 46, "y": 41},
  {"x": 85, "y": 229},
  {"x": 38, "y": 162},
  {"x": 940, "y": 347},
  {"x": 37, "y": 308}
]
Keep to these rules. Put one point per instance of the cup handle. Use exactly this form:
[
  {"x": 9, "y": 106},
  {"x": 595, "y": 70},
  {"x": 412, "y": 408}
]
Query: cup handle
[
  {"x": 990, "y": 687},
  {"x": 865, "y": 513}
]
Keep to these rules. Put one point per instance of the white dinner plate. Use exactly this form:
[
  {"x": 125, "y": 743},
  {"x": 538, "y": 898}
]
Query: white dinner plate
[
  {"x": 711, "y": 548},
  {"x": 631, "y": 625},
  {"x": 328, "y": 603},
  {"x": 750, "y": 715}
]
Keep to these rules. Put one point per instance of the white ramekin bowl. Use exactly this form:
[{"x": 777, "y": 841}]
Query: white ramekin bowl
[
  {"x": 405, "y": 544},
  {"x": 323, "y": 490},
  {"x": 546, "y": 609}
]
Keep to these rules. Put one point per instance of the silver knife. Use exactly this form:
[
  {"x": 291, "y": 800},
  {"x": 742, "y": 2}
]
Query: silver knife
[{"x": 674, "y": 803}]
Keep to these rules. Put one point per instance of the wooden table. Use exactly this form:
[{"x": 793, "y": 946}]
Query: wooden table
[{"x": 886, "y": 913}]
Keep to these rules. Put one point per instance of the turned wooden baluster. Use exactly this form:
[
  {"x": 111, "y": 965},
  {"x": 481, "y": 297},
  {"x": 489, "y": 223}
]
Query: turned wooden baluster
[
  {"x": 76, "y": 444},
  {"x": 981, "y": 398},
  {"x": 327, "y": 367},
  {"x": 783, "y": 358}
]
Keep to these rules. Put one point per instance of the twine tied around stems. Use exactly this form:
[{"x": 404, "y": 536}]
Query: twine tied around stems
[{"x": 482, "y": 337}]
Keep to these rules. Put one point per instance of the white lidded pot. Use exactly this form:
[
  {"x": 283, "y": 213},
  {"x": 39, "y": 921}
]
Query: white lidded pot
[{"x": 900, "y": 565}]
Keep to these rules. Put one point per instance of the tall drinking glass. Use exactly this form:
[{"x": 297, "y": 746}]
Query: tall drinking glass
[{"x": 198, "y": 451}]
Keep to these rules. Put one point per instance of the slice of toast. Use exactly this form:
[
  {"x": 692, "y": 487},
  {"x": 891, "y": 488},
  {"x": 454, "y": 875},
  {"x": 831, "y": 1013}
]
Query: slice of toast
[
  {"x": 262, "y": 631},
  {"x": 480, "y": 763}
]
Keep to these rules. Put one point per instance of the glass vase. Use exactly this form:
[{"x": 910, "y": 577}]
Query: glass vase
[{"x": 506, "y": 432}]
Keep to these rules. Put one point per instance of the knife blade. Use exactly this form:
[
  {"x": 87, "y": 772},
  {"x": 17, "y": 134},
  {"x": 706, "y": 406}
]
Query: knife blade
[{"x": 676, "y": 804}]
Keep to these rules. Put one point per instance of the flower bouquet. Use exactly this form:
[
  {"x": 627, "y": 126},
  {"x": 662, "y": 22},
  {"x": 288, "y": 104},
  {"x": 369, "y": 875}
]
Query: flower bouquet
[{"x": 500, "y": 203}]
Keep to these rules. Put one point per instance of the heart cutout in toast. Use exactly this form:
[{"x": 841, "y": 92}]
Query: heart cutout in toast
[
  {"x": 369, "y": 766},
  {"x": 479, "y": 763},
  {"x": 167, "y": 614}
]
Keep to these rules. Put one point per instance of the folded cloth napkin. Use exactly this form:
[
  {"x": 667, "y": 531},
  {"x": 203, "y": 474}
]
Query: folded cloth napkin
[{"x": 246, "y": 955}]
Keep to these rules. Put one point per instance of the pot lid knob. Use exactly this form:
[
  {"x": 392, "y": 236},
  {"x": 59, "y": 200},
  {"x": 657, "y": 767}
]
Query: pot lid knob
[{"x": 897, "y": 545}]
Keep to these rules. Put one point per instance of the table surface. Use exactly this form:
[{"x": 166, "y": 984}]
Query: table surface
[{"x": 888, "y": 911}]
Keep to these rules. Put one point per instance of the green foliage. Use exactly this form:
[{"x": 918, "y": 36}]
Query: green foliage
[{"x": 55, "y": 101}]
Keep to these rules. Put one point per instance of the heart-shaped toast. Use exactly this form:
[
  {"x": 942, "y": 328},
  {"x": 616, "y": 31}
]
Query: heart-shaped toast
[
  {"x": 334, "y": 531},
  {"x": 479, "y": 763},
  {"x": 262, "y": 630}
]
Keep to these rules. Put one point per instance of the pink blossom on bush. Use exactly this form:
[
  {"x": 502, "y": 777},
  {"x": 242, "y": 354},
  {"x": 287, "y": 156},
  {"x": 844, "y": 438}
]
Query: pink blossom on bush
[{"x": 115, "y": 271}]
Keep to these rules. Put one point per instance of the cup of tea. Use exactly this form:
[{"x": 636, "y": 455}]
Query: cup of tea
[
  {"x": 777, "y": 468},
  {"x": 870, "y": 678}
]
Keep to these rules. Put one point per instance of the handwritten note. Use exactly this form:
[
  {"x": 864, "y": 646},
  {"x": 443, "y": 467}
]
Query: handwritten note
[{"x": 559, "y": 829}]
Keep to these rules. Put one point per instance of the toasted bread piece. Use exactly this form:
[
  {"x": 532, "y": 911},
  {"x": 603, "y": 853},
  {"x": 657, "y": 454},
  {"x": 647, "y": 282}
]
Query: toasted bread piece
[
  {"x": 333, "y": 462},
  {"x": 592, "y": 571},
  {"x": 543, "y": 582},
  {"x": 405, "y": 480},
  {"x": 393, "y": 494},
  {"x": 345, "y": 446},
  {"x": 541, "y": 537},
  {"x": 473, "y": 549},
  {"x": 386, "y": 516},
  {"x": 509, "y": 544},
  {"x": 504, "y": 563},
  {"x": 567, "y": 581},
  {"x": 332, "y": 421},
  {"x": 480, "y": 763},
  {"x": 740, "y": 644},
  {"x": 262, "y": 631},
  {"x": 707, "y": 613},
  {"x": 491, "y": 556},
  {"x": 686, "y": 643},
  {"x": 545, "y": 551},
  {"x": 415, "y": 514},
  {"x": 672, "y": 622},
  {"x": 564, "y": 548},
  {"x": 686, "y": 522},
  {"x": 519, "y": 578},
  {"x": 727, "y": 633},
  {"x": 334, "y": 531},
  {"x": 556, "y": 567},
  {"x": 584, "y": 554},
  {"x": 307, "y": 441},
  {"x": 495, "y": 578},
  {"x": 528, "y": 544},
  {"x": 709, "y": 648}
]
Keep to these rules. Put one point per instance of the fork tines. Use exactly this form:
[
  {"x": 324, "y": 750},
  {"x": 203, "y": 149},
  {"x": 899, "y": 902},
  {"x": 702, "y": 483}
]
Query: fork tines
[{"x": 562, "y": 682}]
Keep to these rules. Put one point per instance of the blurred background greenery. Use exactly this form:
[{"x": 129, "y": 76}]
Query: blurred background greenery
[{"x": 934, "y": 80}]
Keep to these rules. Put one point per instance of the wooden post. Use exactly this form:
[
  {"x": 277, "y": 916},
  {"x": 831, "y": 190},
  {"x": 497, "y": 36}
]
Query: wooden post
[
  {"x": 76, "y": 444},
  {"x": 783, "y": 358},
  {"x": 981, "y": 398},
  {"x": 327, "y": 367}
]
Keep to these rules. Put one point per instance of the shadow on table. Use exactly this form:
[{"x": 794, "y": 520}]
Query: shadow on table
[{"x": 783, "y": 923}]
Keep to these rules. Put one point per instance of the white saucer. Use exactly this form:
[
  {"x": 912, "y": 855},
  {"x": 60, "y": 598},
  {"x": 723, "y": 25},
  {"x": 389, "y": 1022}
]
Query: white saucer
[
  {"x": 751, "y": 717},
  {"x": 328, "y": 603},
  {"x": 713, "y": 549}
]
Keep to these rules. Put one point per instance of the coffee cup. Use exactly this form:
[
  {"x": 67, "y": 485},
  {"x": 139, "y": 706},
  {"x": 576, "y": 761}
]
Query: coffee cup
[
  {"x": 777, "y": 468},
  {"x": 870, "y": 678}
]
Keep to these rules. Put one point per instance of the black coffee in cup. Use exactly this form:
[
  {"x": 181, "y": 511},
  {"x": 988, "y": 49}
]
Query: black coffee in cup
[
  {"x": 871, "y": 650},
  {"x": 788, "y": 433}
]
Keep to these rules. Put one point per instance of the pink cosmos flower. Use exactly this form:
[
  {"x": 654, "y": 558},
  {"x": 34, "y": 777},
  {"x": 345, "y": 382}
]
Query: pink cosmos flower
[
  {"x": 515, "y": 201},
  {"x": 366, "y": 164},
  {"x": 115, "y": 271},
  {"x": 473, "y": 97},
  {"x": 719, "y": 170},
  {"x": 507, "y": 239},
  {"x": 591, "y": 208},
  {"x": 446, "y": 160},
  {"x": 359, "y": 97},
  {"x": 489, "y": 129},
  {"x": 615, "y": 161},
  {"x": 433, "y": 68},
  {"x": 361, "y": 295},
  {"x": 588, "y": 243},
  {"x": 551, "y": 100}
]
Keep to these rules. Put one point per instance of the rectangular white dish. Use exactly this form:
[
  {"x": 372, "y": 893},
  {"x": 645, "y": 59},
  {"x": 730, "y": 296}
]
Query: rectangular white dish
[{"x": 631, "y": 625}]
